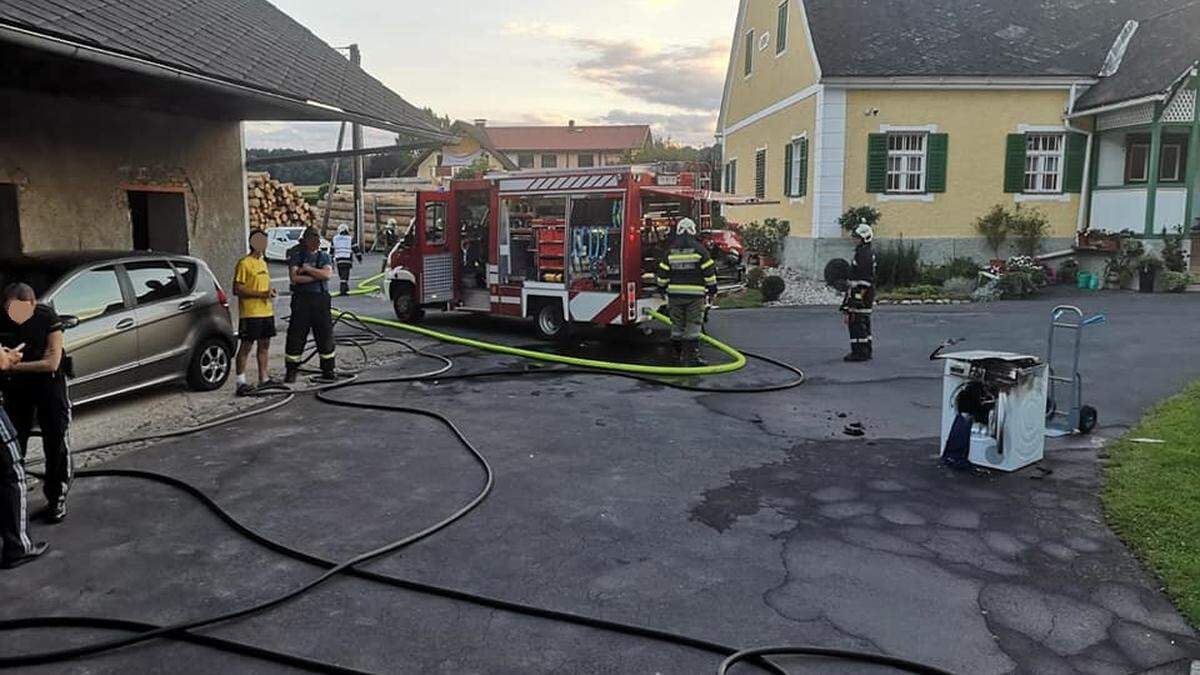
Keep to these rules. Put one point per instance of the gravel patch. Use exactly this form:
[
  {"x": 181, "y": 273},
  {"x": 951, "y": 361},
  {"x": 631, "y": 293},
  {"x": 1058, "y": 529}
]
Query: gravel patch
[{"x": 801, "y": 291}]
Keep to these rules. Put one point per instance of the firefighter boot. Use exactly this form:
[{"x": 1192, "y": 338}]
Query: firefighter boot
[
  {"x": 292, "y": 373},
  {"x": 345, "y": 288},
  {"x": 329, "y": 369},
  {"x": 691, "y": 354}
]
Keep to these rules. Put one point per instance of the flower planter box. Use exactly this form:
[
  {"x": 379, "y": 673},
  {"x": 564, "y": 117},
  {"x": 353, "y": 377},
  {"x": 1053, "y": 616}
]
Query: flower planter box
[{"x": 1104, "y": 243}]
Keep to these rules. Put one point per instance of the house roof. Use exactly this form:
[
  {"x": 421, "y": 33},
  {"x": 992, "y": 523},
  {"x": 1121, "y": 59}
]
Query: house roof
[
  {"x": 1163, "y": 48},
  {"x": 480, "y": 136},
  {"x": 569, "y": 139},
  {"x": 971, "y": 37},
  {"x": 245, "y": 43}
]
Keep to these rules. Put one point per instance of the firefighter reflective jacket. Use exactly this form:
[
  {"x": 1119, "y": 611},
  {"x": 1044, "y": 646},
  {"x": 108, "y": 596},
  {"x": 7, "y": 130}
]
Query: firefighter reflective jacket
[
  {"x": 861, "y": 294},
  {"x": 687, "y": 269}
]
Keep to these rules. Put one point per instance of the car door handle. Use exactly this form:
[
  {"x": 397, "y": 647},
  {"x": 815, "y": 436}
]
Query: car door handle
[
  {"x": 124, "y": 324},
  {"x": 186, "y": 305}
]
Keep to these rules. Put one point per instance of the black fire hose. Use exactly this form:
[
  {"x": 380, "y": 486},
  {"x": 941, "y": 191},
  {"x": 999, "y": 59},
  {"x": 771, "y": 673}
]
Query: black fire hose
[{"x": 184, "y": 630}]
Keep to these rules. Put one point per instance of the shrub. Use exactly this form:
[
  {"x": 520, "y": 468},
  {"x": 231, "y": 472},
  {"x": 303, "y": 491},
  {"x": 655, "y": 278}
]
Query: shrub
[
  {"x": 1149, "y": 263},
  {"x": 956, "y": 268},
  {"x": 1175, "y": 282},
  {"x": 767, "y": 238},
  {"x": 1029, "y": 228},
  {"x": 772, "y": 288},
  {"x": 989, "y": 292},
  {"x": 754, "y": 277},
  {"x": 994, "y": 227},
  {"x": 897, "y": 264},
  {"x": 1017, "y": 284},
  {"x": 1173, "y": 256},
  {"x": 1120, "y": 267},
  {"x": 960, "y": 287},
  {"x": 857, "y": 214}
]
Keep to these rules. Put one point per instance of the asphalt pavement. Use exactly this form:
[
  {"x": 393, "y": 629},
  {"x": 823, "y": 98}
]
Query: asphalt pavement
[{"x": 746, "y": 519}]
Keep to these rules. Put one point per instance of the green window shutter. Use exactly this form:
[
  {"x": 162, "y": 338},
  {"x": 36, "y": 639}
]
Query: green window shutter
[
  {"x": 938, "y": 153},
  {"x": 877, "y": 163},
  {"x": 1014, "y": 163},
  {"x": 803, "y": 167},
  {"x": 788, "y": 154},
  {"x": 1076, "y": 151}
]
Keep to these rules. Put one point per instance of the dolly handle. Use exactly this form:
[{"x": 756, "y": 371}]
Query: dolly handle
[{"x": 1095, "y": 320}]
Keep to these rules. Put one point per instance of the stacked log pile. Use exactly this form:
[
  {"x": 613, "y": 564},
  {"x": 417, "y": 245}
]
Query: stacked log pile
[
  {"x": 381, "y": 206},
  {"x": 276, "y": 204}
]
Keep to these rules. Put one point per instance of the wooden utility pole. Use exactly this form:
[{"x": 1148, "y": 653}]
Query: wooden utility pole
[
  {"x": 333, "y": 181},
  {"x": 356, "y": 136}
]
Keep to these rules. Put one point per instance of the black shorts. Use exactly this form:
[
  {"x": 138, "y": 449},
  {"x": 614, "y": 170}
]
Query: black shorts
[{"x": 262, "y": 328}]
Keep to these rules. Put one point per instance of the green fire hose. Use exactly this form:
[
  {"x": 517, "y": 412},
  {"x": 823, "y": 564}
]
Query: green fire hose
[{"x": 369, "y": 286}]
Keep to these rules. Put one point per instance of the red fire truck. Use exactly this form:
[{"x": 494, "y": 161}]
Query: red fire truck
[{"x": 558, "y": 246}]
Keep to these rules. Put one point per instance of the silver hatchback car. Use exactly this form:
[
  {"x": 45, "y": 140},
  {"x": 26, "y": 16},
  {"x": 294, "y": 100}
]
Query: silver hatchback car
[{"x": 134, "y": 320}]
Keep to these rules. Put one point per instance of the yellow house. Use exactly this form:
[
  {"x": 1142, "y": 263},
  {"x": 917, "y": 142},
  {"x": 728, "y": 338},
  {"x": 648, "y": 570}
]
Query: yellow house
[{"x": 933, "y": 116}]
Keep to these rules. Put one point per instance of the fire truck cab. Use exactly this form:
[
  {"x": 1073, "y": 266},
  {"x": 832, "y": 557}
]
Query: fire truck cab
[{"x": 557, "y": 246}]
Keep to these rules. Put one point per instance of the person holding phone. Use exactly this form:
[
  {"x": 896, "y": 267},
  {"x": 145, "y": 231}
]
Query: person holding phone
[
  {"x": 37, "y": 386},
  {"x": 17, "y": 549}
]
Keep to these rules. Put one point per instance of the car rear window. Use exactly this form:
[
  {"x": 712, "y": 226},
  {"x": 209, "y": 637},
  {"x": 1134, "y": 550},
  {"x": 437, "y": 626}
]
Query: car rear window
[
  {"x": 188, "y": 270},
  {"x": 153, "y": 281}
]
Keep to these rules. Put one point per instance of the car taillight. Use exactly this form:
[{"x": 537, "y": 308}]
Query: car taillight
[{"x": 222, "y": 298}]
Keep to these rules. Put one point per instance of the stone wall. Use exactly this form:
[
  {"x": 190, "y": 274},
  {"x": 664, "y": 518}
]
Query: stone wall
[
  {"x": 810, "y": 256},
  {"x": 73, "y": 162}
]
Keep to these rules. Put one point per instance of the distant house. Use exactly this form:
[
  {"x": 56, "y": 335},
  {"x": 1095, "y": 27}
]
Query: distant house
[
  {"x": 932, "y": 111},
  {"x": 121, "y": 122},
  {"x": 535, "y": 147}
]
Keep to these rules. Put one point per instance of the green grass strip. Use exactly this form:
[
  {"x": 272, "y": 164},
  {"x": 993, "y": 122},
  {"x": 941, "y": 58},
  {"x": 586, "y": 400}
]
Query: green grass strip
[{"x": 1152, "y": 496}]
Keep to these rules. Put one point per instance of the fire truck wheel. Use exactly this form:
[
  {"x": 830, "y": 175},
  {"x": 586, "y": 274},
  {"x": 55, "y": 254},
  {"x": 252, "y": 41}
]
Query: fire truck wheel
[
  {"x": 404, "y": 303},
  {"x": 549, "y": 321}
]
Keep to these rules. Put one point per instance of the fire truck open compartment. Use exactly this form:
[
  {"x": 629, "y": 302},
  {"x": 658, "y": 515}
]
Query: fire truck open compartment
[{"x": 558, "y": 246}]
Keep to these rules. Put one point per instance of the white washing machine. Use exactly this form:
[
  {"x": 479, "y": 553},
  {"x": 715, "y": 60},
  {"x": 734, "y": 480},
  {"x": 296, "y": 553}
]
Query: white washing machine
[{"x": 1005, "y": 396}]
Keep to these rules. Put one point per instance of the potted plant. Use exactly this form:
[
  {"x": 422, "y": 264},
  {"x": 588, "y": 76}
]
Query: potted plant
[
  {"x": 1148, "y": 268},
  {"x": 856, "y": 215},
  {"x": 994, "y": 226},
  {"x": 766, "y": 240}
]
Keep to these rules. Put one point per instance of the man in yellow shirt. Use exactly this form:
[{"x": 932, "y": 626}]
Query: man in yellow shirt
[{"x": 256, "y": 311}]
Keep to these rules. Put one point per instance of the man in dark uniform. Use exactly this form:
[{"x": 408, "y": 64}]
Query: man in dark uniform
[
  {"x": 309, "y": 269},
  {"x": 860, "y": 296},
  {"x": 688, "y": 275},
  {"x": 36, "y": 388},
  {"x": 14, "y": 537}
]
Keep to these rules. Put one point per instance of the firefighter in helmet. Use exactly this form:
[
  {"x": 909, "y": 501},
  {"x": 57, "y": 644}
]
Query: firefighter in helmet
[
  {"x": 860, "y": 296},
  {"x": 344, "y": 252},
  {"x": 688, "y": 275}
]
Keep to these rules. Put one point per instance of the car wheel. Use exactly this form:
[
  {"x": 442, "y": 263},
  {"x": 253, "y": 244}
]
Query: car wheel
[
  {"x": 210, "y": 365},
  {"x": 549, "y": 321},
  {"x": 404, "y": 303}
]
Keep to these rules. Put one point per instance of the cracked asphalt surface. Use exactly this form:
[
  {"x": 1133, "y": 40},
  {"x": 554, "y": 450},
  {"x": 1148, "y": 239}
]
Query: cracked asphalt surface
[{"x": 746, "y": 519}]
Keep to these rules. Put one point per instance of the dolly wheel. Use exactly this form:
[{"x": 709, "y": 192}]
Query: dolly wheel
[{"x": 1087, "y": 419}]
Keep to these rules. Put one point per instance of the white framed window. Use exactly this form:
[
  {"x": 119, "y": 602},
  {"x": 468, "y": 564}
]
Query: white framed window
[
  {"x": 749, "y": 66},
  {"x": 906, "y": 163},
  {"x": 1044, "y": 163},
  {"x": 798, "y": 170},
  {"x": 781, "y": 29}
]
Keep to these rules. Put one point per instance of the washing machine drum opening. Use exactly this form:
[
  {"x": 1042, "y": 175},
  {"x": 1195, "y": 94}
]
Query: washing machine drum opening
[{"x": 977, "y": 400}]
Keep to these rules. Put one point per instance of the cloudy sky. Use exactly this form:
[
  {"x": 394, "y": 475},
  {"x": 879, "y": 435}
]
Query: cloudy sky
[{"x": 531, "y": 61}]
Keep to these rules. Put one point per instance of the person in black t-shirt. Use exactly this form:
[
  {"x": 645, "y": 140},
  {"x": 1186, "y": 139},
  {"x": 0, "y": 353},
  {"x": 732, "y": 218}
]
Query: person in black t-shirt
[
  {"x": 18, "y": 548},
  {"x": 38, "y": 386}
]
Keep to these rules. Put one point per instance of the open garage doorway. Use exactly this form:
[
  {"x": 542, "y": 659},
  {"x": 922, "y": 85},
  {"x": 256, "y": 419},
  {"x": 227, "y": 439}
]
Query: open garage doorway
[
  {"x": 10, "y": 224},
  {"x": 159, "y": 221}
]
